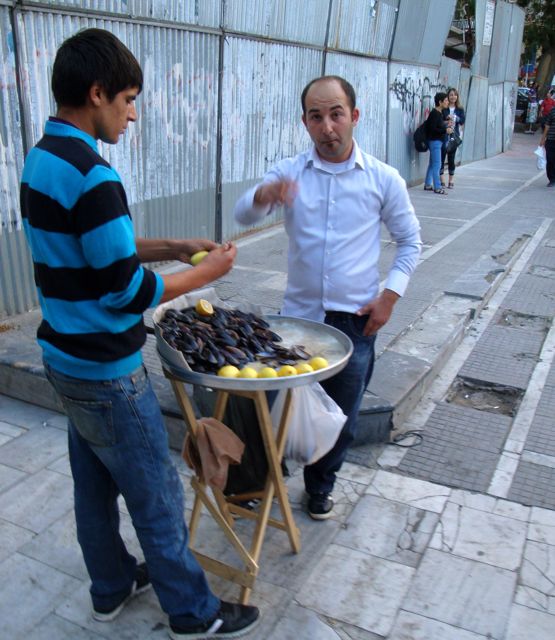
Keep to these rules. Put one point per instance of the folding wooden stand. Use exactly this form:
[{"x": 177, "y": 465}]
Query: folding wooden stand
[{"x": 223, "y": 508}]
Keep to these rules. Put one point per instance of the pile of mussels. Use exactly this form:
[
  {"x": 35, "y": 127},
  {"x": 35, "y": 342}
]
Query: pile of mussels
[{"x": 228, "y": 336}]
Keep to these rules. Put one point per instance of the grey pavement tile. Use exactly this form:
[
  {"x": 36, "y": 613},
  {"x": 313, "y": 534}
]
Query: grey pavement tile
[
  {"x": 542, "y": 525},
  {"x": 474, "y": 534},
  {"x": 9, "y": 476},
  {"x": 299, "y": 623},
  {"x": 533, "y": 485},
  {"x": 38, "y": 501},
  {"x": 35, "y": 449},
  {"x": 53, "y": 627},
  {"x": 23, "y": 414},
  {"x": 12, "y": 538},
  {"x": 463, "y": 593},
  {"x": 525, "y": 624},
  {"x": 415, "y": 493},
  {"x": 460, "y": 447},
  {"x": 537, "y": 577},
  {"x": 356, "y": 588},
  {"x": 9, "y": 430},
  {"x": 139, "y": 619},
  {"x": 31, "y": 593},
  {"x": 410, "y": 626},
  {"x": 389, "y": 530}
]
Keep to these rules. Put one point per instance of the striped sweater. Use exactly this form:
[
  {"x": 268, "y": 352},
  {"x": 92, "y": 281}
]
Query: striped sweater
[{"x": 92, "y": 288}]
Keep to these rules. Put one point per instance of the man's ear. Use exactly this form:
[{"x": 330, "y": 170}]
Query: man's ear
[
  {"x": 96, "y": 94},
  {"x": 355, "y": 115},
  {"x": 303, "y": 118}
]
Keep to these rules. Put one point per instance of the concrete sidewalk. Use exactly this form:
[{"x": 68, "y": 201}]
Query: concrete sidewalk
[{"x": 451, "y": 539}]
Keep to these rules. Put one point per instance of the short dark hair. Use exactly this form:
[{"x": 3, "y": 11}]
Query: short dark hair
[
  {"x": 346, "y": 86},
  {"x": 439, "y": 97},
  {"x": 93, "y": 55}
]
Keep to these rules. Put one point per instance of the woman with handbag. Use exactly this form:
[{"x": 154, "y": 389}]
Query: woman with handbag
[
  {"x": 436, "y": 128},
  {"x": 454, "y": 113}
]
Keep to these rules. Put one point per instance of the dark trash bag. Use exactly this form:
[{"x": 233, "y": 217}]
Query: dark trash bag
[
  {"x": 240, "y": 416},
  {"x": 453, "y": 143},
  {"x": 421, "y": 139}
]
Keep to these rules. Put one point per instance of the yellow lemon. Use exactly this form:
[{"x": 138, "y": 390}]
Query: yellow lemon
[
  {"x": 286, "y": 370},
  {"x": 318, "y": 363},
  {"x": 303, "y": 367},
  {"x": 228, "y": 371},
  {"x": 204, "y": 308},
  {"x": 197, "y": 257},
  {"x": 267, "y": 372},
  {"x": 248, "y": 372}
]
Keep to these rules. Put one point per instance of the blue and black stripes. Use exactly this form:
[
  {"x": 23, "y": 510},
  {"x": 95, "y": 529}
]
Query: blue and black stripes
[{"x": 92, "y": 287}]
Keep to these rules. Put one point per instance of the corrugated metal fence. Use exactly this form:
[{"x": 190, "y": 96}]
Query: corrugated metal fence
[{"x": 221, "y": 103}]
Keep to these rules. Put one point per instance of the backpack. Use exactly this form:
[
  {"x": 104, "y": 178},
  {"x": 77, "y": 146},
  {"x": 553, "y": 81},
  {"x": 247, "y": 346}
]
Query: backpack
[{"x": 420, "y": 138}]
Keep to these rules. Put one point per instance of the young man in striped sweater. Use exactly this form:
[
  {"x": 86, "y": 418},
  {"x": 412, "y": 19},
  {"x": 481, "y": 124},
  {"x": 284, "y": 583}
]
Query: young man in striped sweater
[{"x": 93, "y": 291}]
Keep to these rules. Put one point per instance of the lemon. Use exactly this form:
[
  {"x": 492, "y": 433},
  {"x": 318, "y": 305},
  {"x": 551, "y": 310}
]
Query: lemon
[
  {"x": 248, "y": 372},
  {"x": 228, "y": 371},
  {"x": 303, "y": 367},
  {"x": 197, "y": 257},
  {"x": 267, "y": 372},
  {"x": 286, "y": 370},
  {"x": 204, "y": 308},
  {"x": 318, "y": 363}
]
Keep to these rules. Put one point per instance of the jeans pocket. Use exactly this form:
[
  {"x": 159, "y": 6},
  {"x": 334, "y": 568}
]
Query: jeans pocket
[{"x": 92, "y": 419}]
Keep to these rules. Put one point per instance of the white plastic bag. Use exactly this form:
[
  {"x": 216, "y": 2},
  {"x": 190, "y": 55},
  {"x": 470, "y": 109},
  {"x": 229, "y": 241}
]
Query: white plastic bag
[
  {"x": 541, "y": 162},
  {"x": 315, "y": 423}
]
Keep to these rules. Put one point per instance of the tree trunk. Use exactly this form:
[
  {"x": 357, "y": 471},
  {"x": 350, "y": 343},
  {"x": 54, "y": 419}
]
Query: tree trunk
[{"x": 545, "y": 71}]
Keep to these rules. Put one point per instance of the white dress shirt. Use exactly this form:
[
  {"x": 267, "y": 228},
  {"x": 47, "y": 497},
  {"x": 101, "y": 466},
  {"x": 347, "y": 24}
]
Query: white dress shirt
[{"x": 333, "y": 226}]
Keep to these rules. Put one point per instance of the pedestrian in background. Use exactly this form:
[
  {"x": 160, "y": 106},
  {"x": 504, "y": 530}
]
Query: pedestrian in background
[
  {"x": 547, "y": 104},
  {"x": 436, "y": 130},
  {"x": 454, "y": 114},
  {"x": 336, "y": 197},
  {"x": 548, "y": 141},
  {"x": 93, "y": 291}
]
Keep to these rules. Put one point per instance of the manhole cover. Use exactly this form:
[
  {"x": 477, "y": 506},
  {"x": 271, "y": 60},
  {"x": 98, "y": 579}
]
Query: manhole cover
[
  {"x": 485, "y": 397},
  {"x": 508, "y": 318}
]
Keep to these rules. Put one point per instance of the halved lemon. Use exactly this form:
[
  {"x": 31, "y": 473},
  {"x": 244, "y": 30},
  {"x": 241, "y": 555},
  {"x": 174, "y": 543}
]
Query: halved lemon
[
  {"x": 267, "y": 372},
  {"x": 248, "y": 372},
  {"x": 286, "y": 370},
  {"x": 318, "y": 363},
  {"x": 228, "y": 371},
  {"x": 303, "y": 367},
  {"x": 204, "y": 308}
]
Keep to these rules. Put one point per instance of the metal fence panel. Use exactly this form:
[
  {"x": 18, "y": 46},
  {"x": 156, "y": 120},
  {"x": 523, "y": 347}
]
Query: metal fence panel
[
  {"x": 485, "y": 12},
  {"x": 515, "y": 43},
  {"x": 257, "y": 129},
  {"x": 411, "y": 96},
  {"x": 421, "y": 31},
  {"x": 500, "y": 42},
  {"x": 363, "y": 26},
  {"x": 450, "y": 72},
  {"x": 494, "y": 131},
  {"x": 474, "y": 145},
  {"x": 509, "y": 108},
  {"x": 205, "y": 13},
  {"x": 369, "y": 79},
  {"x": 295, "y": 21}
]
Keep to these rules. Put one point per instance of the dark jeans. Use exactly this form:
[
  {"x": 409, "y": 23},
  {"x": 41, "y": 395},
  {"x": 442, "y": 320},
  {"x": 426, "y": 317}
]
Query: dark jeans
[
  {"x": 118, "y": 444},
  {"x": 346, "y": 388},
  {"x": 550, "y": 158},
  {"x": 450, "y": 161}
]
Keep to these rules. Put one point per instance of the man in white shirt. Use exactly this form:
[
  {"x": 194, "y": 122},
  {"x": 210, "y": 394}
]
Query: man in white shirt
[{"x": 335, "y": 198}]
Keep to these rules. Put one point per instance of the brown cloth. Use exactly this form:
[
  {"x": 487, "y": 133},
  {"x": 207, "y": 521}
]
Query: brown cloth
[{"x": 216, "y": 448}]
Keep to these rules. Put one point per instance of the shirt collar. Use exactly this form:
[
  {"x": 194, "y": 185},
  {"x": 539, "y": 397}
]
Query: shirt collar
[
  {"x": 356, "y": 159},
  {"x": 64, "y": 129}
]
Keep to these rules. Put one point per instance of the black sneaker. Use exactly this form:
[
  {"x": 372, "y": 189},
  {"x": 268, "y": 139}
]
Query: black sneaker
[
  {"x": 320, "y": 506},
  {"x": 231, "y": 621},
  {"x": 141, "y": 583}
]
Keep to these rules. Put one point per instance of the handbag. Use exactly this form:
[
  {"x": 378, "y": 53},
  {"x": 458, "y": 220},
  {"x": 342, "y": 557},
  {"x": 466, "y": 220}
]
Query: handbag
[
  {"x": 454, "y": 141},
  {"x": 420, "y": 138}
]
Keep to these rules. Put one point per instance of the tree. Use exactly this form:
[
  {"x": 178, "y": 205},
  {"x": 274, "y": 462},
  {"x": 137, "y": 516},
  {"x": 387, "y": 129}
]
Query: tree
[{"x": 539, "y": 33}]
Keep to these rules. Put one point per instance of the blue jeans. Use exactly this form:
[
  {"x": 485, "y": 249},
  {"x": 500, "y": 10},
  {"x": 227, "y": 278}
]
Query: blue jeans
[
  {"x": 346, "y": 388},
  {"x": 118, "y": 444},
  {"x": 432, "y": 174}
]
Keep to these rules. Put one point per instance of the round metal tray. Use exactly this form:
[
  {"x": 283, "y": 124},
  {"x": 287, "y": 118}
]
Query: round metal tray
[{"x": 317, "y": 338}]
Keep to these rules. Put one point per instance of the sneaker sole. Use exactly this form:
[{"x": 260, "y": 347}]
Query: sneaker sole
[
  {"x": 206, "y": 634},
  {"x": 321, "y": 516},
  {"x": 112, "y": 615}
]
